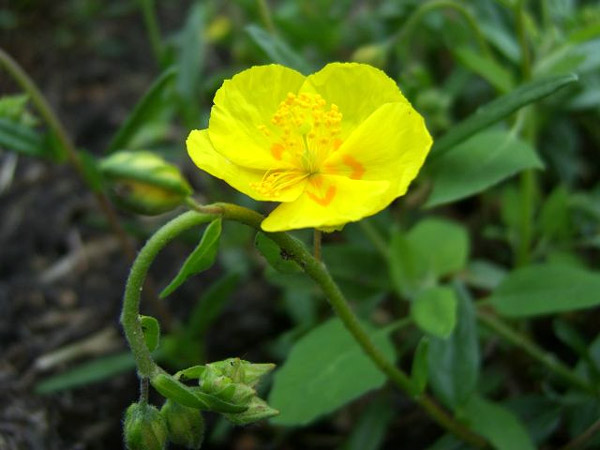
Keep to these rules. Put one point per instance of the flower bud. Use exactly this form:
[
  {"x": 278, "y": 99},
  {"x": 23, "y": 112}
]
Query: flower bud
[
  {"x": 143, "y": 182},
  {"x": 241, "y": 371},
  {"x": 257, "y": 410},
  {"x": 221, "y": 386},
  {"x": 185, "y": 425},
  {"x": 145, "y": 428},
  {"x": 373, "y": 54}
]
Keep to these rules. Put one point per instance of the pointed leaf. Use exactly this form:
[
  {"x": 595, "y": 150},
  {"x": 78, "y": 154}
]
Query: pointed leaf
[
  {"x": 22, "y": 139},
  {"x": 202, "y": 258},
  {"x": 420, "y": 368},
  {"x": 325, "y": 370},
  {"x": 478, "y": 163},
  {"x": 498, "y": 109}
]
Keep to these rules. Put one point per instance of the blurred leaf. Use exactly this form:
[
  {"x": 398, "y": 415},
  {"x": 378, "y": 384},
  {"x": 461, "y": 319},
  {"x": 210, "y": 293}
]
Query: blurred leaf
[
  {"x": 409, "y": 269},
  {"x": 96, "y": 370},
  {"x": 443, "y": 243},
  {"x": 325, "y": 370},
  {"x": 151, "y": 330},
  {"x": 420, "y": 368},
  {"x": 274, "y": 255},
  {"x": 498, "y": 424},
  {"x": 484, "y": 274},
  {"x": 91, "y": 171},
  {"x": 22, "y": 139},
  {"x": 546, "y": 289},
  {"x": 555, "y": 215},
  {"x": 478, "y": 163},
  {"x": 498, "y": 109},
  {"x": 495, "y": 74},
  {"x": 434, "y": 311},
  {"x": 541, "y": 415},
  {"x": 454, "y": 362},
  {"x": 368, "y": 433},
  {"x": 277, "y": 50},
  {"x": 211, "y": 304},
  {"x": 143, "y": 112},
  {"x": 202, "y": 258},
  {"x": 572, "y": 338}
]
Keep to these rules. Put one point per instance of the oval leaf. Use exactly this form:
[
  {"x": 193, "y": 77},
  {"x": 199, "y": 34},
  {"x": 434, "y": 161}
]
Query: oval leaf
[
  {"x": 200, "y": 259},
  {"x": 434, "y": 311},
  {"x": 478, "y": 163},
  {"x": 151, "y": 330},
  {"x": 546, "y": 289},
  {"x": 325, "y": 370}
]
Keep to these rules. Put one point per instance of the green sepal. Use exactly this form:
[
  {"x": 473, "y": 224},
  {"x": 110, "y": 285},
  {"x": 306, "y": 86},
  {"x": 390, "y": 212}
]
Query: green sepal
[
  {"x": 151, "y": 329},
  {"x": 185, "y": 425},
  {"x": 257, "y": 410},
  {"x": 144, "y": 428}
]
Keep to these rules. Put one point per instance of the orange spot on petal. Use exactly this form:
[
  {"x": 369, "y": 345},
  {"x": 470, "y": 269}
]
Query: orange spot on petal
[
  {"x": 357, "y": 168},
  {"x": 277, "y": 151},
  {"x": 325, "y": 200}
]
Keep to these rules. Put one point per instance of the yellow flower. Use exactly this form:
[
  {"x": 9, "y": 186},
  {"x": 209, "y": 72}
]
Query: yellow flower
[{"x": 333, "y": 147}]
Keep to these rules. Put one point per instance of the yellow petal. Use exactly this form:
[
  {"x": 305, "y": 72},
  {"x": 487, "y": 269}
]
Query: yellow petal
[
  {"x": 357, "y": 90},
  {"x": 329, "y": 201},
  {"x": 390, "y": 145},
  {"x": 243, "y": 109},
  {"x": 243, "y": 179}
]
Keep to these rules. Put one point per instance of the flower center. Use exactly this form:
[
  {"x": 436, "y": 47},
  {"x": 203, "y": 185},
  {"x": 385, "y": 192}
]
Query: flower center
[{"x": 304, "y": 132}]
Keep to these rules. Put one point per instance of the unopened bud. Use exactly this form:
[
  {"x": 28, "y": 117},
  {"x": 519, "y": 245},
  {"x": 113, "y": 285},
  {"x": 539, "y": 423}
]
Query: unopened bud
[
  {"x": 241, "y": 371},
  {"x": 257, "y": 410},
  {"x": 373, "y": 54},
  {"x": 144, "y": 428},
  {"x": 215, "y": 383},
  {"x": 143, "y": 182},
  {"x": 185, "y": 425}
]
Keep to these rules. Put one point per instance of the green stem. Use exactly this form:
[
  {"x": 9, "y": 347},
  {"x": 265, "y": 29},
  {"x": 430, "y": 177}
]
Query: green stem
[
  {"x": 317, "y": 271},
  {"x": 265, "y": 15},
  {"x": 149, "y": 12},
  {"x": 27, "y": 84},
  {"x": 425, "y": 8},
  {"x": 531, "y": 348},
  {"x": 139, "y": 270}
]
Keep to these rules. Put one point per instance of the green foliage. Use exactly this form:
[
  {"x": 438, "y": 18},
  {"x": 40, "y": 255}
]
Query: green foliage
[
  {"x": 325, "y": 370},
  {"x": 151, "y": 329},
  {"x": 202, "y": 258},
  {"x": 434, "y": 311}
]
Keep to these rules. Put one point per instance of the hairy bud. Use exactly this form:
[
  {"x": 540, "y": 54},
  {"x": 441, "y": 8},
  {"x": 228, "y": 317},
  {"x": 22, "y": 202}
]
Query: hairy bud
[{"x": 145, "y": 428}]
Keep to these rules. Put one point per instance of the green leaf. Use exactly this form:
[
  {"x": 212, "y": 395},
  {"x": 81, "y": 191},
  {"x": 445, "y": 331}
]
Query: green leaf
[
  {"x": 370, "y": 430},
  {"x": 546, "y": 289},
  {"x": 420, "y": 368},
  {"x": 443, "y": 243},
  {"x": 274, "y": 255},
  {"x": 143, "y": 111},
  {"x": 498, "y": 109},
  {"x": 454, "y": 362},
  {"x": 498, "y": 424},
  {"x": 487, "y": 68},
  {"x": 202, "y": 258},
  {"x": 478, "y": 163},
  {"x": 170, "y": 388},
  {"x": 151, "y": 329},
  {"x": 434, "y": 311},
  {"x": 22, "y": 139},
  {"x": 91, "y": 171},
  {"x": 277, "y": 50},
  {"x": 409, "y": 270},
  {"x": 325, "y": 370},
  {"x": 191, "y": 53},
  {"x": 97, "y": 370},
  {"x": 555, "y": 215}
]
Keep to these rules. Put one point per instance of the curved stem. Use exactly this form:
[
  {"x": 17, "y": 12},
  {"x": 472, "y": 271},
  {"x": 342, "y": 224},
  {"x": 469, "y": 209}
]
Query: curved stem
[
  {"x": 422, "y": 10},
  {"x": 131, "y": 301},
  {"x": 317, "y": 271}
]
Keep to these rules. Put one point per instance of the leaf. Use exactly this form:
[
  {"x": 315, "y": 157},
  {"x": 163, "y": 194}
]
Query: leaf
[
  {"x": 22, "y": 139},
  {"x": 325, "y": 370},
  {"x": 434, "y": 311},
  {"x": 498, "y": 424},
  {"x": 143, "y": 111},
  {"x": 276, "y": 258},
  {"x": 478, "y": 163},
  {"x": 97, "y": 370},
  {"x": 443, "y": 243},
  {"x": 210, "y": 304},
  {"x": 546, "y": 289},
  {"x": 91, "y": 171},
  {"x": 151, "y": 330},
  {"x": 191, "y": 53},
  {"x": 420, "y": 369},
  {"x": 370, "y": 430},
  {"x": 277, "y": 50},
  {"x": 454, "y": 362},
  {"x": 409, "y": 270},
  {"x": 202, "y": 258},
  {"x": 487, "y": 68},
  {"x": 498, "y": 109}
]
